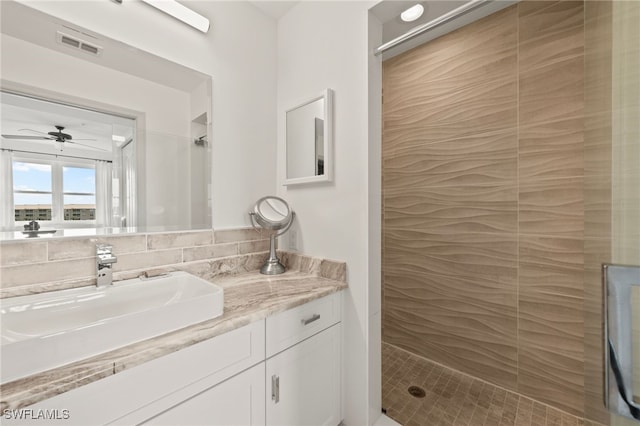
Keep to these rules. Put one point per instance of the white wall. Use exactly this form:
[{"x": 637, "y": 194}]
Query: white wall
[
  {"x": 239, "y": 53},
  {"x": 325, "y": 45}
]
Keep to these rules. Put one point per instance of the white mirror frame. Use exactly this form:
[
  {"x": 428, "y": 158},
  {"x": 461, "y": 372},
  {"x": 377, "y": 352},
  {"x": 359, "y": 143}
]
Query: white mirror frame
[{"x": 327, "y": 95}]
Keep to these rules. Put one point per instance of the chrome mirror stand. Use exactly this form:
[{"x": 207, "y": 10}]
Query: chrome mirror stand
[{"x": 273, "y": 214}]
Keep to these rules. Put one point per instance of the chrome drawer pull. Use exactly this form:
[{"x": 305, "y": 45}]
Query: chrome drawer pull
[
  {"x": 306, "y": 321},
  {"x": 275, "y": 388}
]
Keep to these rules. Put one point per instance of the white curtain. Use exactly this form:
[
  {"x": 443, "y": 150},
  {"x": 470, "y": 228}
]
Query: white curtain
[
  {"x": 7, "y": 214},
  {"x": 104, "y": 193}
]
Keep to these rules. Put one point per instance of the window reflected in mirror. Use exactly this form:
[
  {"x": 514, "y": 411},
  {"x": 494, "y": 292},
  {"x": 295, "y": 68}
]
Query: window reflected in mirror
[{"x": 67, "y": 164}]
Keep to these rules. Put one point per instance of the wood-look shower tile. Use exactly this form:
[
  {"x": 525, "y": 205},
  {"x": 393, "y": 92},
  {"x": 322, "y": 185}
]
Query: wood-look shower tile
[
  {"x": 552, "y": 207},
  {"x": 552, "y": 322},
  {"x": 475, "y": 330},
  {"x": 597, "y": 206},
  {"x": 539, "y": 19},
  {"x": 551, "y": 150},
  {"x": 478, "y": 159},
  {"x": 551, "y": 378},
  {"x": 456, "y": 56},
  {"x": 551, "y": 349},
  {"x": 452, "y": 209},
  {"x": 551, "y": 265},
  {"x": 551, "y": 48},
  {"x": 478, "y": 307},
  {"x": 451, "y": 112},
  {"x": 467, "y": 255},
  {"x": 552, "y": 93},
  {"x": 597, "y": 144}
]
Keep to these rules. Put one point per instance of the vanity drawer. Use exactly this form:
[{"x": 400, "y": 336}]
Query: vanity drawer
[
  {"x": 161, "y": 383},
  {"x": 285, "y": 329}
]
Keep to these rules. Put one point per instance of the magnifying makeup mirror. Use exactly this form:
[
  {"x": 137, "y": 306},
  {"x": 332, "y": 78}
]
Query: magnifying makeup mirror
[{"x": 273, "y": 214}]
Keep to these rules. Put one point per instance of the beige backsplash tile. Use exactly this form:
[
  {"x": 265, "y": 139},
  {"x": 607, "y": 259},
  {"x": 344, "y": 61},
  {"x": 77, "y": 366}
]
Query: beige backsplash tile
[
  {"x": 148, "y": 259},
  {"x": 241, "y": 234},
  {"x": 253, "y": 246},
  {"x": 191, "y": 254},
  {"x": 179, "y": 239},
  {"x": 47, "y": 272},
  {"x": 333, "y": 270},
  {"x": 30, "y": 267},
  {"x": 126, "y": 243},
  {"x": 86, "y": 247},
  {"x": 19, "y": 253}
]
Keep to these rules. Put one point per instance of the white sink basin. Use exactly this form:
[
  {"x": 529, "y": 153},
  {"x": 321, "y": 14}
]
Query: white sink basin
[{"x": 47, "y": 330}]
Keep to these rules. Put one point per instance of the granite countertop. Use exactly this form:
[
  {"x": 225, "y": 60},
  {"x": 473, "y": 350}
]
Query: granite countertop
[{"x": 248, "y": 297}]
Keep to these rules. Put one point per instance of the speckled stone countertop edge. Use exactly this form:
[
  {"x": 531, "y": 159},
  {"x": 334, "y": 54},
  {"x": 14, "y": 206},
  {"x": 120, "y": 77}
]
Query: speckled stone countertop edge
[{"x": 249, "y": 297}]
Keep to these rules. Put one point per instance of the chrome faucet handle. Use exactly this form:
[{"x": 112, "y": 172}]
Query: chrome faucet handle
[
  {"x": 104, "y": 254},
  {"x": 104, "y": 264},
  {"x": 103, "y": 249}
]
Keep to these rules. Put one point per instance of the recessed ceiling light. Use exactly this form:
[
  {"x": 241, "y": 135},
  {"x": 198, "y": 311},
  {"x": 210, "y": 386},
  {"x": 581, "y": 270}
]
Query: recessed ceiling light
[
  {"x": 118, "y": 138},
  {"x": 413, "y": 13}
]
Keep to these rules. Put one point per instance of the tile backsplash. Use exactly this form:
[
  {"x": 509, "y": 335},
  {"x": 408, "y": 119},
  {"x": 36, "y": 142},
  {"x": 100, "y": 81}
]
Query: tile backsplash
[
  {"x": 33, "y": 266},
  {"x": 36, "y": 266}
]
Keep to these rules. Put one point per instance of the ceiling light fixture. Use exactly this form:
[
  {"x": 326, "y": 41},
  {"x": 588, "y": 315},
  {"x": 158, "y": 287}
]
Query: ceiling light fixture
[
  {"x": 181, "y": 12},
  {"x": 118, "y": 138},
  {"x": 413, "y": 13}
]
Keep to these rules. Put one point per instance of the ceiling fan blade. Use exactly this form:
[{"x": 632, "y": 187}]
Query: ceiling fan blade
[
  {"x": 27, "y": 137},
  {"x": 93, "y": 140},
  {"x": 31, "y": 130},
  {"x": 87, "y": 146}
]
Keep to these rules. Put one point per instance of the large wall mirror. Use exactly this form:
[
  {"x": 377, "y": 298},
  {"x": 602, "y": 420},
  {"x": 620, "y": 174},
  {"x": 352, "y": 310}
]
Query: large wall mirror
[
  {"x": 309, "y": 144},
  {"x": 98, "y": 137}
]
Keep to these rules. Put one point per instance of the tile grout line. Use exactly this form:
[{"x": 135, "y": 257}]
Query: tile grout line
[{"x": 518, "y": 196}]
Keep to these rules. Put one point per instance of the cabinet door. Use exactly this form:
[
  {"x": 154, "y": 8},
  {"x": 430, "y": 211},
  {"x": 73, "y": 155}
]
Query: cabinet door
[
  {"x": 239, "y": 401},
  {"x": 303, "y": 382}
]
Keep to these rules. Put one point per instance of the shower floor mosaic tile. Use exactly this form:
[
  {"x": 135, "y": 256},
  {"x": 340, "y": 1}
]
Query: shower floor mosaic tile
[{"x": 454, "y": 398}]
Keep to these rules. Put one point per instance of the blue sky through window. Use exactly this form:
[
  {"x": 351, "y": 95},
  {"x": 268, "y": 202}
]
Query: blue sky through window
[
  {"x": 31, "y": 177},
  {"x": 79, "y": 179},
  {"x": 38, "y": 177}
]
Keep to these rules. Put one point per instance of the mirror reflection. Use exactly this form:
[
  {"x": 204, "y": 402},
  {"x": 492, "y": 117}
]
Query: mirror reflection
[
  {"x": 65, "y": 167},
  {"x": 308, "y": 143},
  {"x": 134, "y": 125},
  {"x": 305, "y": 140}
]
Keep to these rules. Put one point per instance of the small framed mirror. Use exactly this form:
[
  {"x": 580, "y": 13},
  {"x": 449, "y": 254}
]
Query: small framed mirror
[{"x": 309, "y": 144}]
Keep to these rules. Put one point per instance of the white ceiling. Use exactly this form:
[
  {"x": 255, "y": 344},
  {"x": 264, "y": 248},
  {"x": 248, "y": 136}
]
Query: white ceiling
[
  {"x": 30, "y": 25},
  {"x": 275, "y": 9},
  {"x": 41, "y": 117},
  {"x": 388, "y": 12},
  {"x": 25, "y": 116}
]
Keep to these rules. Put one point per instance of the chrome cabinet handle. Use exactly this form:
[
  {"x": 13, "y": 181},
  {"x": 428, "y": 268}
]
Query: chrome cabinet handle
[
  {"x": 275, "y": 388},
  {"x": 306, "y": 321}
]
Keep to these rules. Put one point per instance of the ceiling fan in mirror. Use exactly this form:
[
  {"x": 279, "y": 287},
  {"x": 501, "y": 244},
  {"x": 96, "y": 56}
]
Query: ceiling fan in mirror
[{"x": 57, "y": 136}]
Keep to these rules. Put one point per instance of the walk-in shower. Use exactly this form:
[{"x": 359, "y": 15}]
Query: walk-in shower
[{"x": 510, "y": 147}]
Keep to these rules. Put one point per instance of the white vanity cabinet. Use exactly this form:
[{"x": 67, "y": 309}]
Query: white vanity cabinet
[
  {"x": 304, "y": 382},
  {"x": 304, "y": 365},
  {"x": 238, "y": 401},
  {"x": 282, "y": 370}
]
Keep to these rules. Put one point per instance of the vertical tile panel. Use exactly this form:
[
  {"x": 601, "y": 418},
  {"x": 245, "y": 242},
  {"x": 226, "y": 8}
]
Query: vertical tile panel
[{"x": 450, "y": 201}]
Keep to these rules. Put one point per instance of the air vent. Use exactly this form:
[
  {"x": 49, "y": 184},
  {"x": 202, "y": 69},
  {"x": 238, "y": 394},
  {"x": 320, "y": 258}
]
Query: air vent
[
  {"x": 70, "y": 41},
  {"x": 89, "y": 48},
  {"x": 79, "y": 44}
]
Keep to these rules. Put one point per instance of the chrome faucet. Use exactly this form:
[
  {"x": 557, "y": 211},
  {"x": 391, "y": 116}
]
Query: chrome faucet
[{"x": 104, "y": 264}]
